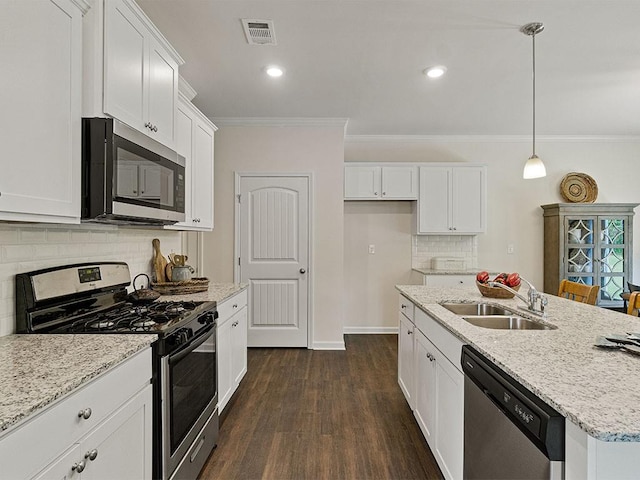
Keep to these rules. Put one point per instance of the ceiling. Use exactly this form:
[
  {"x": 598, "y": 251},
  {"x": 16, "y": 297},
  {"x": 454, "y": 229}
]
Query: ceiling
[{"x": 363, "y": 60}]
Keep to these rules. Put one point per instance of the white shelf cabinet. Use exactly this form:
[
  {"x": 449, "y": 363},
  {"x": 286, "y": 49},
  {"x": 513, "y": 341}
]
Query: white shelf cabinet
[
  {"x": 380, "y": 182},
  {"x": 42, "y": 53},
  {"x": 113, "y": 441},
  {"x": 452, "y": 200},
  {"x": 130, "y": 71},
  {"x": 232, "y": 346},
  {"x": 195, "y": 143}
]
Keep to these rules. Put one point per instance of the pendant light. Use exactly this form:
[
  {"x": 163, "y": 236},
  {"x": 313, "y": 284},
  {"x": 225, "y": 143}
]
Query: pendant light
[{"x": 534, "y": 168}]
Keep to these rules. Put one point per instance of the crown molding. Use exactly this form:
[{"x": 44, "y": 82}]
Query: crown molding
[
  {"x": 82, "y": 5},
  {"x": 187, "y": 90},
  {"x": 280, "y": 122},
  {"x": 491, "y": 138}
]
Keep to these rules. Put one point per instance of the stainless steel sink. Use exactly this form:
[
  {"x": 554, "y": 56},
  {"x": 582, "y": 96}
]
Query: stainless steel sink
[
  {"x": 484, "y": 309},
  {"x": 506, "y": 322}
]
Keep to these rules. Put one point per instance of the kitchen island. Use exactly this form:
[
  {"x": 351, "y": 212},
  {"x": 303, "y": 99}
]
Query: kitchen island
[{"x": 597, "y": 390}]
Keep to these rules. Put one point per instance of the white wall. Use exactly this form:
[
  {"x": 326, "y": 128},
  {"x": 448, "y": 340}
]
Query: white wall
[
  {"x": 370, "y": 277},
  {"x": 300, "y": 149},
  {"x": 513, "y": 204},
  {"x": 27, "y": 247}
]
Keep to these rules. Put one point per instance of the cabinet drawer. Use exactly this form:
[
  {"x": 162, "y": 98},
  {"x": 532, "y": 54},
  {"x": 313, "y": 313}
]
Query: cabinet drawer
[
  {"x": 232, "y": 305},
  {"x": 406, "y": 307},
  {"x": 42, "y": 438},
  {"x": 443, "y": 339},
  {"x": 449, "y": 280}
]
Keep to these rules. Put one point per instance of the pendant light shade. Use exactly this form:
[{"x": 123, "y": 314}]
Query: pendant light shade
[{"x": 534, "y": 168}]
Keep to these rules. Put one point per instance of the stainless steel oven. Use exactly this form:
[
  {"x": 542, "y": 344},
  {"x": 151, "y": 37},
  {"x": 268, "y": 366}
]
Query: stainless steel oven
[
  {"x": 92, "y": 298},
  {"x": 188, "y": 403}
]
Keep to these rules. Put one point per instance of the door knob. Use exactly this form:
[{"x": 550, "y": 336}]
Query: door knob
[{"x": 302, "y": 270}]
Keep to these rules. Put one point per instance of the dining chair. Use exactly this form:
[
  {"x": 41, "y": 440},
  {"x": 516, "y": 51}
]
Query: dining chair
[
  {"x": 634, "y": 304},
  {"x": 631, "y": 288},
  {"x": 579, "y": 292}
]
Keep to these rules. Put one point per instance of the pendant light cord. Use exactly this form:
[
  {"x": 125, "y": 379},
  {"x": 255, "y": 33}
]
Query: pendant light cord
[{"x": 533, "y": 37}]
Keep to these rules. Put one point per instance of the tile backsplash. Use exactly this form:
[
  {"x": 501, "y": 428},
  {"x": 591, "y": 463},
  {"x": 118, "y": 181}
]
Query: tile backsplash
[
  {"x": 27, "y": 247},
  {"x": 427, "y": 247}
]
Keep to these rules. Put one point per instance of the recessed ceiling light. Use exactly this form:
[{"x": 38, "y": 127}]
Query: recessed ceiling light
[
  {"x": 436, "y": 71},
  {"x": 274, "y": 71}
]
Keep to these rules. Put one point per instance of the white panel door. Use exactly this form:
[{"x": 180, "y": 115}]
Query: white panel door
[
  {"x": 274, "y": 258},
  {"x": 434, "y": 202},
  {"x": 41, "y": 81},
  {"x": 202, "y": 176},
  {"x": 362, "y": 182},
  {"x": 400, "y": 183},
  {"x": 163, "y": 94},
  {"x": 124, "y": 66},
  {"x": 467, "y": 200}
]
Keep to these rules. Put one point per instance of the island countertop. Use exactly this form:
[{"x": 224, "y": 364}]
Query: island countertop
[
  {"x": 36, "y": 370},
  {"x": 596, "y": 389}
]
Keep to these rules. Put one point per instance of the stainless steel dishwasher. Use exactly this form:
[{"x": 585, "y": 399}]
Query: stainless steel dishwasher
[{"x": 509, "y": 433}]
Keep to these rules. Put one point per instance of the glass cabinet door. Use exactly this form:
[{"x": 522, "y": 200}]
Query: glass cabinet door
[
  {"x": 612, "y": 260},
  {"x": 580, "y": 248},
  {"x": 595, "y": 254}
]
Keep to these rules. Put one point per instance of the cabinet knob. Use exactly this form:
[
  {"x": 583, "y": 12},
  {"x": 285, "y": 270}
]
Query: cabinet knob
[
  {"x": 234, "y": 324},
  {"x": 454, "y": 228},
  {"x": 147, "y": 125},
  {"x": 384, "y": 193},
  {"x": 235, "y": 305},
  {"x": 155, "y": 129},
  {"x": 91, "y": 454},
  {"x": 409, "y": 332},
  {"x": 78, "y": 466},
  {"x": 85, "y": 413},
  {"x": 375, "y": 194},
  {"x": 403, "y": 306}
]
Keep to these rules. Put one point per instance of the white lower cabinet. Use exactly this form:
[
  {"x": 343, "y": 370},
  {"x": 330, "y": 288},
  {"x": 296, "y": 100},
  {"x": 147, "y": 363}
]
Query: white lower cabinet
[
  {"x": 232, "y": 346},
  {"x": 438, "y": 386},
  {"x": 406, "y": 358},
  {"x": 102, "y": 430}
]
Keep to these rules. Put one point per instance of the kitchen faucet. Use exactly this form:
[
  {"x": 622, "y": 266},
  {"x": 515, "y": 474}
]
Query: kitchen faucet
[{"x": 535, "y": 301}]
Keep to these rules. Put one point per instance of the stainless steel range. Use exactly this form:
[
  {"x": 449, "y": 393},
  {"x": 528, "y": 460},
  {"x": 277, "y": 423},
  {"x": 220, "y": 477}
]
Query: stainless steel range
[{"x": 92, "y": 298}]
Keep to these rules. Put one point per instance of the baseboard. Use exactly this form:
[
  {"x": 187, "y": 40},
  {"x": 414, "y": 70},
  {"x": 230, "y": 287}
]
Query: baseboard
[
  {"x": 328, "y": 346},
  {"x": 370, "y": 330}
]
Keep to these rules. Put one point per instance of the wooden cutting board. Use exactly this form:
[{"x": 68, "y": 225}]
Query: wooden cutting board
[{"x": 159, "y": 262}]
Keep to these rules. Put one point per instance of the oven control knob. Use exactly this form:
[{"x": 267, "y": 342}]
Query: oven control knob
[{"x": 206, "y": 319}]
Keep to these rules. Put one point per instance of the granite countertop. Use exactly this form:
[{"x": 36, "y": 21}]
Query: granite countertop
[
  {"x": 218, "y": 292},
  {"x": 596, "y": 389},
  {"x": 36, "y": 370}
]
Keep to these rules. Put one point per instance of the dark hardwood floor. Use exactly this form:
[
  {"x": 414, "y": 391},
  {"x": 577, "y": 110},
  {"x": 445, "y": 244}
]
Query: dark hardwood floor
[{"x": 311, "y": 414}]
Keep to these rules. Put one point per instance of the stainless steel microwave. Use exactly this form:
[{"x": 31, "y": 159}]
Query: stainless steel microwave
[{"x": 129, "y": 178}]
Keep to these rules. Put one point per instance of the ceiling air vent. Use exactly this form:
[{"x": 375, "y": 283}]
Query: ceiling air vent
[{"x": 259, "y": 32}]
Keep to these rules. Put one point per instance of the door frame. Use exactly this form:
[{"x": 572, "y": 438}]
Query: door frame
[{"x": 310, "y": 215}]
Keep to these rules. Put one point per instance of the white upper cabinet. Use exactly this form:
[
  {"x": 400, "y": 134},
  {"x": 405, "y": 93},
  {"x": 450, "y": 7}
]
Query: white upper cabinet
[
  {"x": 41, "y": 50},
  {"x": 452, "y": 200},
  {"x": 131, "y": 71},
  {"x": 380, "y": 182},
  {"x": 195, "y": 142}
]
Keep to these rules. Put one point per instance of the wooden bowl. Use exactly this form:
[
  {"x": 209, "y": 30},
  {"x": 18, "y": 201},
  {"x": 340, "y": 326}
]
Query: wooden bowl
[{"x": 495, "y": 292}]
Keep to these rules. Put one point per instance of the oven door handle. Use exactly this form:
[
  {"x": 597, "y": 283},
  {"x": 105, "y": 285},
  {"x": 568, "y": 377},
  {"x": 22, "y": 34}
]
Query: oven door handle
[{"x": 191, "y": 346}]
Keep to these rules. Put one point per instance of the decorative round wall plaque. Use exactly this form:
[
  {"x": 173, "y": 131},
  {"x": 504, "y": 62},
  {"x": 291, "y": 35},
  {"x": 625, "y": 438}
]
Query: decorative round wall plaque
[{"x": 578, "y": 188}]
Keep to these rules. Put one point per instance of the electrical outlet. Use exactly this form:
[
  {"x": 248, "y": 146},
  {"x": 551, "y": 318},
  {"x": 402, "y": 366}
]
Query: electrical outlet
[
  {"x": 372, "y": 249},
  {"x": 510, "y": 248}
]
